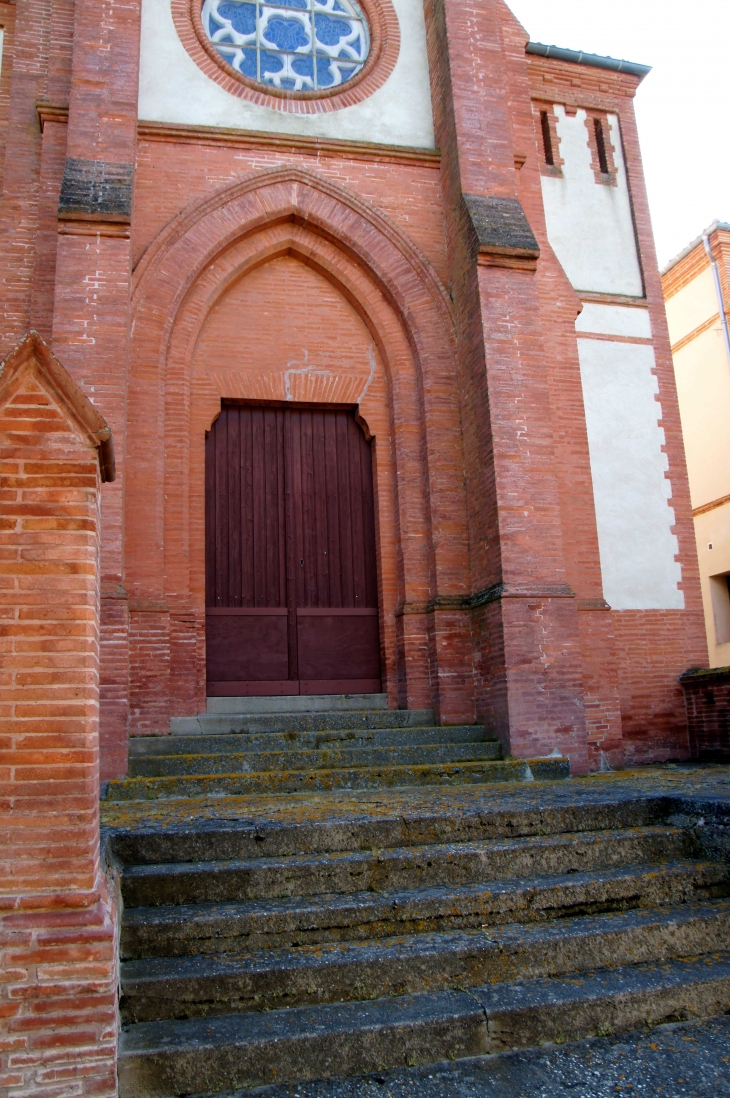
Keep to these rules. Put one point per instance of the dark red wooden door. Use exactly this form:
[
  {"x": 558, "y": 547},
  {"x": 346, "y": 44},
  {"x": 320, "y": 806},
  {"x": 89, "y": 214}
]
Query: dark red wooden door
[{"x": 291, "y": 587}]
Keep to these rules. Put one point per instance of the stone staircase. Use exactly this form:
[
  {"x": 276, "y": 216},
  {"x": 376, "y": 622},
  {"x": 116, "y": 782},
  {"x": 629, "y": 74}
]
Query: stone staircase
[
  {"x": 282, "y": 752},
  {"x": 282, "y": 939}
]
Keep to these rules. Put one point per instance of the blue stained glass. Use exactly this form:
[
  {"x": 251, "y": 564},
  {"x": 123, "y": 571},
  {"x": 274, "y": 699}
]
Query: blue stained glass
[
  {"x": 303, "y": 66},
  {"x": 325, "y": 77},
  {"x": 242, "y": 17},
  {"x": 247, "y": 64},
  {"x": 286, "y": 34},
  {"x": 272, "y": 42},
  {"x": 330, "y": 31},
  {"x": 271, "y": 63}
]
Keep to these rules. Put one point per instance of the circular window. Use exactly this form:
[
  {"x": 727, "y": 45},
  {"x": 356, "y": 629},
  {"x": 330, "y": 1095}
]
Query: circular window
[{"x": 289, "y": 45}]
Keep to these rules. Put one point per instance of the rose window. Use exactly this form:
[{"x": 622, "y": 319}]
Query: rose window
[{"x": 294, "y": 45}]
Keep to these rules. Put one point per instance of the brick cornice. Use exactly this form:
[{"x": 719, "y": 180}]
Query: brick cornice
[
  {"x": 50, "y": 112},
  {"x": 281, "y": 142},
  {"x": 495, "y": 593}
]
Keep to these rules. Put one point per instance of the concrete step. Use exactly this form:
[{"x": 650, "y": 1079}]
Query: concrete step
[
  {"x": 320, "y": 721},
  {"x": 235, "y": 1051},
  {"x": 172, "y": 987},
  {"x": 299, "y": 703},
  {"x": 298, "y": 781},
  {"x": 323, "y": 758},
  {"x": 177, "y": 931},
  {"x": 306, "y": 740},
  {"x": 224, "y": 830},
  {"x": 429, "y": 865}
]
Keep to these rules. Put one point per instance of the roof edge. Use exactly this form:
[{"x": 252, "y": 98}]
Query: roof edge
[
  {"x": 595, "y": 60},
  {"x": 32, "y": 347},
  {"x": 713, "y": 228}
]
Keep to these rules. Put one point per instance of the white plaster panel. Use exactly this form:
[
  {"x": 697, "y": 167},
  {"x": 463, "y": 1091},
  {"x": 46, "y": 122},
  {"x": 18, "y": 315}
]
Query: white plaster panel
[
  {"x": 630, "y": 490},
  {"x": 692, "y": 305},
  {"x": 590, "y": 226},
  {"x": 615, "y": 320},
  {"x": 173, "y": 89}
]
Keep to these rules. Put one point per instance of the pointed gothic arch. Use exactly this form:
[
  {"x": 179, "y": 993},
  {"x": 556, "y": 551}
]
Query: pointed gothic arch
[{"x": 212, "y": 245}]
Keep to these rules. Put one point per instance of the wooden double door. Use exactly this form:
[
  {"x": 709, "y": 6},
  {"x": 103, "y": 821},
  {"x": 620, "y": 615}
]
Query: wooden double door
[{"x": 291, "y": 583}]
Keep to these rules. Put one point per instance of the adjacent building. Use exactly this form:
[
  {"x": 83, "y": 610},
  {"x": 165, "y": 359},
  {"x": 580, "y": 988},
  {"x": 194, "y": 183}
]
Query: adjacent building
[{"x": 696, "y": 292}]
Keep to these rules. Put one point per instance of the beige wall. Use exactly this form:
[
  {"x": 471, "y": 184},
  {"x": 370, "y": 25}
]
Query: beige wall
[{"x": 702, "y": 372}]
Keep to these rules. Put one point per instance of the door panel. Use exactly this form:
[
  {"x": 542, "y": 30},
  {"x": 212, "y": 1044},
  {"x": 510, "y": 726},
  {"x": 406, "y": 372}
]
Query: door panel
[
  {"x": 248, "y": 644},
  {"x": 338, "y": 644},
  {"x": 290, "y": 529}
]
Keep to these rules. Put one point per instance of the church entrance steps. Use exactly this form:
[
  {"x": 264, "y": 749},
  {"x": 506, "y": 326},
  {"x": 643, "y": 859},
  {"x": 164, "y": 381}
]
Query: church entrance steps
[
  {"x": 281, "y": 939},
  {"x": 319, "y": 721},
  {"x": 291, "y": 753},
  {"x": 293, "y": 921},
  {"x": 301, "y": 739},
  {"x": 356, "y": 777},
  {"x": 245, "y": 1050},
  {"x": 342, "y": 756},
  {"x": 202, "y": 985},
  {"x": 299, "y": 703},
  {"x": 386, "y": 871}
]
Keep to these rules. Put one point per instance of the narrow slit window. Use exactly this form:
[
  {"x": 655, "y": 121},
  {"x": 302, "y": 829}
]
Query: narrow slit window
[
  {"x": 601, "y": 146},
  {"x": 547, "y": 139}
]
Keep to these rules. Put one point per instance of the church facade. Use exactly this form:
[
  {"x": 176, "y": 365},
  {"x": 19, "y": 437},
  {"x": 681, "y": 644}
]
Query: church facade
[{"x": 367, "y": 293}]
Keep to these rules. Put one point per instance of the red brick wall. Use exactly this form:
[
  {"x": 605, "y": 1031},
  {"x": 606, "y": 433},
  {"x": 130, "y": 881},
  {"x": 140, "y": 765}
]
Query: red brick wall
[
  {"x": 652, "y": 647},
  {"x": 57, "y": 931},
  {"x": 481, "y": 458}
]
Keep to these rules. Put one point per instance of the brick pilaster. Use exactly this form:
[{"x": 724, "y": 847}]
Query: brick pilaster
[
  {"x": 58, "y": 953},
  {"x": 526, "y": 627},
  {"x": 93, "y": 278}
]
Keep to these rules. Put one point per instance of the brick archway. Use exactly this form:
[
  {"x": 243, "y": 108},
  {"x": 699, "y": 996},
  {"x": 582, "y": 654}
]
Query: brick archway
[{"x": 409, "y": 409}]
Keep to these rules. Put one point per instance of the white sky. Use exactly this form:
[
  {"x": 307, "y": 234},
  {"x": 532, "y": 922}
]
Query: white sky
[{"x": 680, "y": 104}]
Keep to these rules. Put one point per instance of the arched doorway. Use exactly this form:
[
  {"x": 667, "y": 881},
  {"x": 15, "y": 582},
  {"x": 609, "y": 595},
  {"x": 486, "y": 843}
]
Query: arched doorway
[{"x": 291, "y": 582}]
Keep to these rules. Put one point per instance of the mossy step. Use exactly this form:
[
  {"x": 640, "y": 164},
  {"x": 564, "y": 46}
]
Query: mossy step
[
  {"x": 236, "y": 743},
  {"x": 325, "y": 758},
  {"x": 293, "y": 921},
  {"x": 148, "y": 833},
  {"x": 235, "y": 1051},
  {"x": 172, "y": 987},
  {"x": 297, "y": 781},
  {"x": 215, "y": 723},
  {"x": 429, "y": 865}
]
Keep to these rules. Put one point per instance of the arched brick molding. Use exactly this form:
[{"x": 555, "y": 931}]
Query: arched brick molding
[{"x": 410, "y": 409}]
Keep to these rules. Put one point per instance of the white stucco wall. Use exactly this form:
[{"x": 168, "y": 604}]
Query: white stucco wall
[
  {"x": 589, "y": 224},
  {"x": 174, "y": 89},
  {"x": 692, "y": 305},
  {"x": 615, "y": 320},
  {"x": 637, "y": 547}
]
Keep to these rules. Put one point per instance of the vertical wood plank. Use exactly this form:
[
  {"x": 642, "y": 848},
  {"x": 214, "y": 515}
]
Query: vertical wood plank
[
  {"x": 332, "y": 474},
  {"x": 233, "y": 476},
  {"x": 247, "y": 516}
]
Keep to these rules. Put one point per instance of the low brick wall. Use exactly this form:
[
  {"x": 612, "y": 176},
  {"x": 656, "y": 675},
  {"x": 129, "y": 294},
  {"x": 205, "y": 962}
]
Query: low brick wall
[{"x": 707, "y": 699}]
